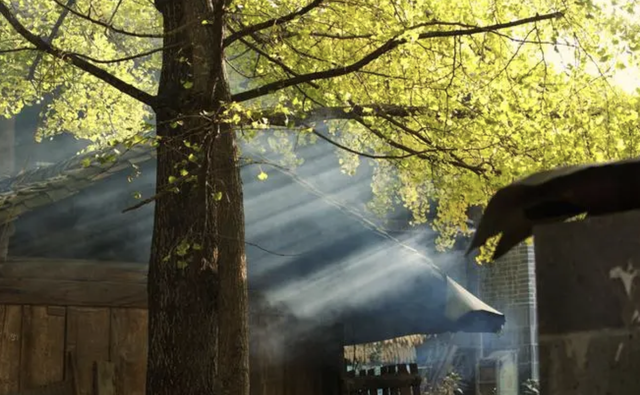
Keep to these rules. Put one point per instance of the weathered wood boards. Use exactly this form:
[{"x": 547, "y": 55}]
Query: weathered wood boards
[
  {"x": 10, "y": 347},
  {"x": 87, "y": 337},
  {"x": 128, "y": 349},
  {"x": 42, "y": 335},
  {"x": 97, "y": 311},
  {"x": 35, "y": 339},
  {"x": 104, "y": 374}
]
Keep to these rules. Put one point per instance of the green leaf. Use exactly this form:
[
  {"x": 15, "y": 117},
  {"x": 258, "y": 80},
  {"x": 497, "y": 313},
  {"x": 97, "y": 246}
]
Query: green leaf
[
  {"x": 182, "y": 249},
  {"x": 86, "y": 162},
  {"x": 491, "y": 109}
]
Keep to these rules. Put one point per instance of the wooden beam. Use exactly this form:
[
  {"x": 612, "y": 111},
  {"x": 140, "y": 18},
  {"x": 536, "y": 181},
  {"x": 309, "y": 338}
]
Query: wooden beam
[
  {"x": 70, "y": 282},
  {"x": 15, "y": 291},
  {"x": 74, "y": 282},
  {"x": 73, "y": 270}
]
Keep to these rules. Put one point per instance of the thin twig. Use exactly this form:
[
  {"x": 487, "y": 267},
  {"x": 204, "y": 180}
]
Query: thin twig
[
  {"x": 377, "y": 53},
  {"x": 270, "y": 23}
]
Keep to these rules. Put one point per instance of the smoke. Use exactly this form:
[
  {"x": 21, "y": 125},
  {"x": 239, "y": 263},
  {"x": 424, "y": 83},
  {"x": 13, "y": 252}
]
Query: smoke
[
  {"x": 29, "y": 154},
  {"x": 313, "y": 252}
]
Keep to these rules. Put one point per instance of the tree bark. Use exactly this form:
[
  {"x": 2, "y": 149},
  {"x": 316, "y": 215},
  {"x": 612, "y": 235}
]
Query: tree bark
[{"x": 197, "y": 272}]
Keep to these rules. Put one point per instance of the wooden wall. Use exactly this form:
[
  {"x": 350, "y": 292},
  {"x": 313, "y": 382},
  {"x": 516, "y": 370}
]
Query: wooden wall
[
  {"x": 34, "y": 341},
  {"x": 97, "y": 310}
]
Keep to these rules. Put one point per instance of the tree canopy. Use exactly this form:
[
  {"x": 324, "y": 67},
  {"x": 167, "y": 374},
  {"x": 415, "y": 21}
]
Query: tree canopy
[{"x": 455, "y": 98}]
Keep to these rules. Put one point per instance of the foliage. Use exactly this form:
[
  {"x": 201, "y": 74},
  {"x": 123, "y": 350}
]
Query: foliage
[{"x": 450, "y": 112}]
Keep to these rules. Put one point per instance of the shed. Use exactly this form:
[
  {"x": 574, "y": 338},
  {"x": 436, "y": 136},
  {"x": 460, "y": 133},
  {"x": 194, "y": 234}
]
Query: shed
[{"x": 76, "y": 261}]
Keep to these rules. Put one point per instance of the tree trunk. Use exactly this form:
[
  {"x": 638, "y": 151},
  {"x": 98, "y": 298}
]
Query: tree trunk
[{"x": 197, "y": 273}]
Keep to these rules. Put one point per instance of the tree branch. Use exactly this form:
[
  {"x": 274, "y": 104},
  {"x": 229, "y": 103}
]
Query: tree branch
[
  {"x": 19, "y": 49},
  {"x": 356, "y": 113},
  {"x": 123, "y": 59},
  {"x": 378, "y": 52},
  {"x": 82, "y": 64},
  {"x": 52, "y": 35},
  {"x": 269, "y": 23},
  {"x": 364, "y": 154},
  {"x": 277, "y": 62},
  {"x": 453, "y": 162},
  {"x": 337, "y": 113}
]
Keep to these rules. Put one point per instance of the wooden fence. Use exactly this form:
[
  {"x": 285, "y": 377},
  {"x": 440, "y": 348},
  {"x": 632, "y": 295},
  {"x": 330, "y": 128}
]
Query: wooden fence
[{"x": 400, "y": 379}]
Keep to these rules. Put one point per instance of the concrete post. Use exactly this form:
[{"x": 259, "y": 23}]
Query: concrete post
[
  {"x": 7, "y": 145},
  {"x": 588, "y": 294}
]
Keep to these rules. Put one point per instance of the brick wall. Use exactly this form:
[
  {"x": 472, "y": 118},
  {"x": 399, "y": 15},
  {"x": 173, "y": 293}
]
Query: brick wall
[{"x": 509, "y": 285}]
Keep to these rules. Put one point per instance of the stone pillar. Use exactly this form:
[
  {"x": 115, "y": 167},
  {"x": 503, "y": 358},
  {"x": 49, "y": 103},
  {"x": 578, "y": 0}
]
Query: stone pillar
[
  {"x": 7, "y": 144},
  {"x": 588, "y": 293}
]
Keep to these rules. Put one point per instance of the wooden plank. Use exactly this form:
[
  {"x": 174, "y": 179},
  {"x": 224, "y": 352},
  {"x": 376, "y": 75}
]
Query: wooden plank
[
  {"x": 24, "y": 288},
  {"x": 129, "y": 349},
  {"x": 403, "y": 371},
  {"x": 11, "y": 321},
  {"x": 88, "y": 339},
  {"x": 372, "y": 391},
  {"x": 413, "y": 369},
  {"x": 73, "y": 270},
  {"x": 104, "y": 375},
  {"x": 42, "y": 352},
  {"x": 393, "y": 388},
  {"x": 71, "y": 373},
  {"x": 72, "y": 293},
  {"x": 383, "y": 372}
]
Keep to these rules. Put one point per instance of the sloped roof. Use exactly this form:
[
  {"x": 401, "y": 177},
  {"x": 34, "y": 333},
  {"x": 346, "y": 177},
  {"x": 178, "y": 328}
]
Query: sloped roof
[{"x": 46, "y": 185}]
